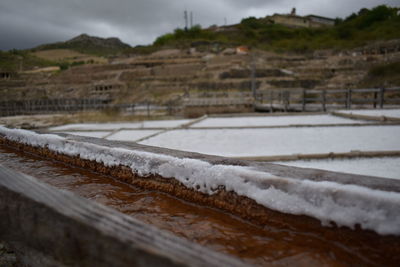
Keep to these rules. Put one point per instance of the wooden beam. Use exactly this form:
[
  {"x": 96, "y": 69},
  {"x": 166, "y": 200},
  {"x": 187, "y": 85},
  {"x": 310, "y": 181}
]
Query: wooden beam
[
  {"x": 57, "y": 228},
  {"x": 366, "y": 117}
]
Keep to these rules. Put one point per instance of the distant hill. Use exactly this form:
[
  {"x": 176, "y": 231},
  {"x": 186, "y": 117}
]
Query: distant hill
[
  {"x": 82, "y": 49},
  {"x": 89, "y": 45}
]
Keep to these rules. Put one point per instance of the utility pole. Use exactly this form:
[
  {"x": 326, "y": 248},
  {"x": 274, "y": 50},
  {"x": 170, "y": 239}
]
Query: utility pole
[
  {"x": 191, "y": 19},
  {"x": 225, "y": 21},
  {"x": 185, "y": 16}
]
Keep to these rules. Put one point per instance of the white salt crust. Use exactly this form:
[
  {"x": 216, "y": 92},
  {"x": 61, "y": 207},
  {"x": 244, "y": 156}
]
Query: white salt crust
[
  {"x": 385, "y": 167},
  {"x": 346, "y": 205}
]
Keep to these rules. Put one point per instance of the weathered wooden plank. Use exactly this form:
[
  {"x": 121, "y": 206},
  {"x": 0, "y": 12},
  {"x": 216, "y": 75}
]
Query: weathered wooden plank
[
  {"x": 366, "y": 90},
  {"x": 335, "y": 100},
  {"x": 336, "y": 91},
  {"x": 392, "y": 101},
  {"x": 331, "y": 155},
  {"x": 363, "y": 100},
  {"x": 366, "y": 117},
  {"x": 393, "y": 89},
  {"x": 303, "y": 97},
  {"x": 58, "y": 228}
]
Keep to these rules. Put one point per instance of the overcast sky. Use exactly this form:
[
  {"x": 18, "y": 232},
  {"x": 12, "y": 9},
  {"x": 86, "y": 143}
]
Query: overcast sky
[{"x": 28, "y": 23}]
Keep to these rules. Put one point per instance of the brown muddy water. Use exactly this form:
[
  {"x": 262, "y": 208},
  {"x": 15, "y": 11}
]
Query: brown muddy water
[{"x": 209, "y": 227}]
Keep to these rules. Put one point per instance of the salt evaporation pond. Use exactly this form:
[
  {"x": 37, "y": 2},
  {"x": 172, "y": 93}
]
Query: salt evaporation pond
[
  {"x": 276, "y": 245},
  {"x": 280, "y": 141},
  {"x": 116, "y": 126},
  {"x": 252, "y": 142},
  {"x": 259, "y": 121},
  {"x": 209, "y": 227},
  {"x": 287, "y": 195},
  {"x": 387, "y": 167}
]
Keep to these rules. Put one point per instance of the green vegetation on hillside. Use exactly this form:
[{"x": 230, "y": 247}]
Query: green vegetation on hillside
[
  {"x": 182, "y": 37},
  {"x": 379, "y": 23},
  {"x": 89, "y": 45},
  {"x": 383, "y": 75},
  {"x": 15, "y": 60},
  {"x": 82, "y": 48},
  {"x": 21, "y": 60}
]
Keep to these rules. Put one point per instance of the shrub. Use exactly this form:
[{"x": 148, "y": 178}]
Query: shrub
[{"x": 379, "y": 23}]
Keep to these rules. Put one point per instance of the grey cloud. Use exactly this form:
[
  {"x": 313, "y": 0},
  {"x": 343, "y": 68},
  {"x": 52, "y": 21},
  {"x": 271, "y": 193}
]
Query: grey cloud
[{"x": 27, "y": 23}]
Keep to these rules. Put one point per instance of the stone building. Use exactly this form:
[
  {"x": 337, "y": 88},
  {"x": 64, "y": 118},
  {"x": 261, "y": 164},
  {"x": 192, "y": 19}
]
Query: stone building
[{"x": 293, "y": 20}]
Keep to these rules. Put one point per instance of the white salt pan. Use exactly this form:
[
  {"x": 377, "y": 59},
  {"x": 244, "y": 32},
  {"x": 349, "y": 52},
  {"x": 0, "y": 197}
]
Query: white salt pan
[
  {"x": 386, "y": 167},
  {"x": 115, "y": 126},
  {"x": 280, "y": 141},
  {"x": 274, "y": 121},
  {"x": 327, "y": 201}
]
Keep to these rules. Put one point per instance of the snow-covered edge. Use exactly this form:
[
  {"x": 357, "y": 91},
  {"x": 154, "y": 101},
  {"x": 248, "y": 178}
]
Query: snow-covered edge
[{"x": 346, "y": 205}]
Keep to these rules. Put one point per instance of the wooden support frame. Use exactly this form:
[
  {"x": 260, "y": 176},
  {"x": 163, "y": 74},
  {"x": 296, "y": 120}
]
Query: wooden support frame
[{"x": 324, "y": 99}]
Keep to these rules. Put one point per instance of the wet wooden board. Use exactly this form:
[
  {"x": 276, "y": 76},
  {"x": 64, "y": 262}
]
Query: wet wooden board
[{"x": 57, "y": 228}]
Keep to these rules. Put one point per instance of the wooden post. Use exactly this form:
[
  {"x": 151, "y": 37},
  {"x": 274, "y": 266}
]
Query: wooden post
[
  {"x": 253, "y": 76},
  {"x": 324, "y": 100},
  {"x": 304, "y": 100},
  {"x": 286, "y": 100},
  {"x": 271, "y": 99},
  {"x": 382, "y": 97},
  {"x": 348, "y": 99},
  {"x": 375, "y": 99}
]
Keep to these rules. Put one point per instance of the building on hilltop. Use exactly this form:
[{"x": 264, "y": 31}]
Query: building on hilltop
[
  {"x": 293, "y": 20},
  {"x": 290, "y": 20},
  {"x": 323, "y": 21}
]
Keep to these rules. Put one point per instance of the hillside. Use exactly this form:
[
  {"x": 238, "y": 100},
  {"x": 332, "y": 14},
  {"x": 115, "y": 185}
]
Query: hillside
[
  {"x": 68, "y": 56},
  {"x": 379, "y": 23},
  {"x": 91, "y": 45},
  {"x": 362, "y": 51},
  {"x": 82, "y": 49},
  {"x": 18, "y": 60}
]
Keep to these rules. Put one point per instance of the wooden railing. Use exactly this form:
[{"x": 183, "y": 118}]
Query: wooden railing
[
  {"x": 22, "y": 107},
  {"x": 61, "y": 105},
  {"x": 279, "y": 99},
  {"x": 322, "y": 100},
  {"x": 218, "y": 99}
]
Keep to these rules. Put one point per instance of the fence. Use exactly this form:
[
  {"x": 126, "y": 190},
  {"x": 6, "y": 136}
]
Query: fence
[
  {"x": 283, "y": 99},
  {"x": 218, "y": 99},
  {"x": 322, "y": 100},
  {"x": 42, "y": 106},
  {"x": 45, "y": 106}
]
